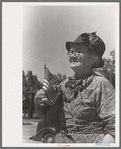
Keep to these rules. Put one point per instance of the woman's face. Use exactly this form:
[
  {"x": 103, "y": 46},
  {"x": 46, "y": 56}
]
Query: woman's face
[{"x": 80, "y": 56}]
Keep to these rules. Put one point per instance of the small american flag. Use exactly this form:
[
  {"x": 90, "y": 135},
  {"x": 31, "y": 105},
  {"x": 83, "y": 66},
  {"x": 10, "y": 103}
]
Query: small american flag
[{"x": 48, "y": 86}]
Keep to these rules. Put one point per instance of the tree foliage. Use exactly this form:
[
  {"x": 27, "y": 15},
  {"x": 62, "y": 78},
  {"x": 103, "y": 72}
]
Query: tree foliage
[
  {"x": 30, "y": 86},
  {"x": 59, "y": 78},
  {"x": 108, "y": 70}
]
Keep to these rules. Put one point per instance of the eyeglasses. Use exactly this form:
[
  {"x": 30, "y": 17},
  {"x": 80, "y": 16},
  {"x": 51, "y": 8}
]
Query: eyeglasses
[{"x": 77, "y": 52}]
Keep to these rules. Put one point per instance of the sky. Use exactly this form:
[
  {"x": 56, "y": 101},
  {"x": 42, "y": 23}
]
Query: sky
[{"x": 46, "y": 29}]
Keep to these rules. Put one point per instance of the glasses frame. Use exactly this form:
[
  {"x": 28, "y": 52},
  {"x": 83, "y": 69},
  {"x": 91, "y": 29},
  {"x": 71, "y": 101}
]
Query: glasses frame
[{"x": 77, "y": 53}]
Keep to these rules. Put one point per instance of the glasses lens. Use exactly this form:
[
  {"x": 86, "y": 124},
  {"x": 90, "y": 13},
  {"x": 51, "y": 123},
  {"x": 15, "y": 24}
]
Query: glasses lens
[{"x": 77, "y": 52}]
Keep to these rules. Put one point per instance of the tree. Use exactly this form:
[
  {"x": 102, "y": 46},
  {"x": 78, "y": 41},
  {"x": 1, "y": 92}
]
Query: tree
[
  {"x": 108, "y": 70},
  {"x": 112, "y": 54},
  {"x": 59, "y": 78},
  {"x": 30, "y": 86}
]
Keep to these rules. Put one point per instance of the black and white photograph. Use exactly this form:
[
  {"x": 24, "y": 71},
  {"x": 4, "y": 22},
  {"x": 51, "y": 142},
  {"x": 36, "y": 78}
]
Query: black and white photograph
[{"x": 60, "y": 74}]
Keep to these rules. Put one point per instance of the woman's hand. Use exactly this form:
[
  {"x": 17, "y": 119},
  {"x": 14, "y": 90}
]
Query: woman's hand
[
  {"x": 108, "y": 139},
  {"x": 40, "y": 98}
]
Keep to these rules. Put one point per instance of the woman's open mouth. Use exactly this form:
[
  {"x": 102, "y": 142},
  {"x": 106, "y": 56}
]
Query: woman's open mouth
[{"x": 73, "y": 59}]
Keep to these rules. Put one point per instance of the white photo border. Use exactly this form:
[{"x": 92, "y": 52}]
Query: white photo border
[{"x": 12, "y": 72}]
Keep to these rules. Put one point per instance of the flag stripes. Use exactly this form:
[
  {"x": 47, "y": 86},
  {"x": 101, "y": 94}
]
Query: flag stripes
[
  {"x": 48, "y": 85},
  {"x": 45, "y": 84}
]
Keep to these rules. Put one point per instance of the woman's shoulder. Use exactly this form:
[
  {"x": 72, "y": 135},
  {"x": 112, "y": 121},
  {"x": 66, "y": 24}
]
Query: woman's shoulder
[{"x": 101, "y": 80}]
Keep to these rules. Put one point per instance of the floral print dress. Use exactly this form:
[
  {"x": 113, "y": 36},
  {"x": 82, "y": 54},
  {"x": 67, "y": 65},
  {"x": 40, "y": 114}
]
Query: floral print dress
[{"x": 88, "y": 110}]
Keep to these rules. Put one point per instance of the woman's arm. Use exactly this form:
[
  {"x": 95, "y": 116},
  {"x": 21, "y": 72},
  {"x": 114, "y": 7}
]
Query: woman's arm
[{"x": 106, "y": 109}]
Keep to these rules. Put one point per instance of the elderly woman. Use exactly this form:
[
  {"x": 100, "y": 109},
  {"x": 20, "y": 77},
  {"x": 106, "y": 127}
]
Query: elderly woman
[{"x": 86, "y": 99}]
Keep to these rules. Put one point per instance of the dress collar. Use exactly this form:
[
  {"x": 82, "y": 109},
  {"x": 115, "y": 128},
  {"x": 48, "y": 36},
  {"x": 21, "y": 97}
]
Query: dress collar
[
  {"x": 83, "y": 81},
  {"x": 73, "y": 86}
]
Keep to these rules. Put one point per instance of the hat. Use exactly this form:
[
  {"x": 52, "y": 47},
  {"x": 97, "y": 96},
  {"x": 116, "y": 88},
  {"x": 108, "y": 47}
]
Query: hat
[{"x": 95, "y": 43}]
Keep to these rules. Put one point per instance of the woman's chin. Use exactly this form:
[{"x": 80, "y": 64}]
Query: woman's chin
[{"x": 75, "y": 65}]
